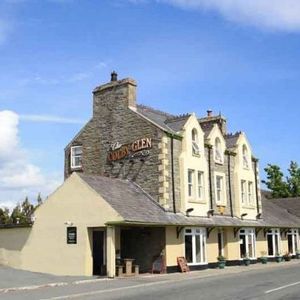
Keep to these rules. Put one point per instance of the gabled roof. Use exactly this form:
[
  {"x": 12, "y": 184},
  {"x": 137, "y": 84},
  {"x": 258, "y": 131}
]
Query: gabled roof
[
  {"x": 166, "y": 121},
  {"x": 231, "y": 139},
  {"x": 291, "y": 205}
]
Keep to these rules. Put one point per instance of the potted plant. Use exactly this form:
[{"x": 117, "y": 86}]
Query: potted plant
[
  {"x": 246, "y": 260},
  {"x": 221, "y": 261},
  {"x": 287, "y": 256},
  {"x": 263, "y": 258},
  {"x": 278, "y": 257},
  {"x": 298, "y": 254}
]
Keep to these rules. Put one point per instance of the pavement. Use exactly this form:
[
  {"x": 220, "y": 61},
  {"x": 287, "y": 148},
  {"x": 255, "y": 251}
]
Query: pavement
[{"x": 240, "y": 282}]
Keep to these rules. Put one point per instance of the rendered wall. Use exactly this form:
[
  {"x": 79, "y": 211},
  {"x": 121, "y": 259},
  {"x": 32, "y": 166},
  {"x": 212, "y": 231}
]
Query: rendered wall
[
  {"x": 174, "y": 246},
  {"x": 44, "y": 248}
]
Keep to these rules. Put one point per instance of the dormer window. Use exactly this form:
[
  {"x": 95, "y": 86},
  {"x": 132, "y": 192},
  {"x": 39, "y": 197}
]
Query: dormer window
[
  {"x": 76, "y": 157},
  {"x": 218, "y": 151},
  {"x": 195, "y": 142},
  {"x": 245, "y": 157}
]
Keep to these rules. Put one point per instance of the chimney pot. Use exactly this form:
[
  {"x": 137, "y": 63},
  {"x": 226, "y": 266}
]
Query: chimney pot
[
  {"x": 114, "y": 76},
  {"x": 209, "y": 112}
]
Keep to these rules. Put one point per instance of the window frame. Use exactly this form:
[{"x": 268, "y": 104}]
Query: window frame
[
  {"x": 294, "y": 234},
  {"x": 245, "y": 157},
  {"x": 218, "y": 153},
  {"x": 275, "y": 234},
  {"x": 194, "y": 233},
  {"x": 200, "y": 185},
  {"x": 249, "y": 234},
  {"x": 244, "y": 191},
  {"x": 73, "y": 157},
  {"x": 250, "y": 186},
  {"x": 195, "y": 142},
  {"x": 191, "y": 184},
  {"x": 223, "y": 199}
]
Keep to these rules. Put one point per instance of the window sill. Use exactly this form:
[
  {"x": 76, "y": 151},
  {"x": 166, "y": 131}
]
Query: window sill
[
  {"x": 196, "y": 155},
  {"x": 76, "y": 168},
  {"x": 197, "y": 264},
  {"x": 249, "y": 206},
  {"x": 217, "y": 162},
  {"x": 197, "y": 201}
]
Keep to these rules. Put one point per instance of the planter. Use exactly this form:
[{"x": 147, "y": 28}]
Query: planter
[
  {"x": 246, "y": 261},
  {"x": 278, "y": 259},
  {"x": 287, "y": 258},
  {"x": 264, "y": 260},
  {"x": 221, "y": 264},
  {"x": 298, "y": 255}
]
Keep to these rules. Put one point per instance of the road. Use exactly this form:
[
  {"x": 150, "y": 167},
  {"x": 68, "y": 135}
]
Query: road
[{"x": 281, "y": 281}]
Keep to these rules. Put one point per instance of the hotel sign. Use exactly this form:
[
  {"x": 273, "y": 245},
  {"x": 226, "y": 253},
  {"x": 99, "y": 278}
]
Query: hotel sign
[{"x": 139, "y": 148}]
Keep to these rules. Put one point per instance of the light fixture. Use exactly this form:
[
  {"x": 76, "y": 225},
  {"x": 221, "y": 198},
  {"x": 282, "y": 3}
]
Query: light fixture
[
  {"x": 243, "y": 215},
  {"x": 210, "y": 212},
  {"x": 68, "y": 223},
  {"x": 258, "y": 216},
  {"x": 188, "y": 211}
]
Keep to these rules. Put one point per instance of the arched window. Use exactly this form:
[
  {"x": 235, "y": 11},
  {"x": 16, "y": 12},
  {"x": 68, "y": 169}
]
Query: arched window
[
  {"x": 195, "y": 142},
  {"x": 245, "y": 157},
  {"x": 218, "y": 151}
]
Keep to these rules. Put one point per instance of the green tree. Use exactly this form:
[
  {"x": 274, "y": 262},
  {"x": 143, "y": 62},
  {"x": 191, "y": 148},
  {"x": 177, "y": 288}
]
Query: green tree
[
  {"x": 4, "y": 216},
  {"x": 22, "y": 213},
  {"x": 16, "y": 216},
  {"x": 276, "y": 183},
  {"x": 293, "y": 180},
  {"x": 39, "y": 200}
]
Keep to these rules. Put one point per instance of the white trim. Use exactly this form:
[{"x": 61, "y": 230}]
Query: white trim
[{"x": 73, "y": 157}]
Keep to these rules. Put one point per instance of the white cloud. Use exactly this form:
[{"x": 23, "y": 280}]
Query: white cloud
[
  {"x": 50, "y": 119},
  {"x": 267, "y": 14},
  {"x": 18, "y": 176}
]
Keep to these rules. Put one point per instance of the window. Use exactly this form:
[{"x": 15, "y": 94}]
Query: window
[
  {"x": 195, "y": 142},
  {"x": 200, "y": 185},
  {"x": 245, "y": 157},
  {"x": 76, "y": 157},
  {"x": 195, "y": 245},
  {"x": 250, "y": 192},
  {"x": 247, "y": 243},
  {"x": 243, "y": 191},
  {"x": 218, "y": 151},
  {"x": 292, "y": 237},
  {"x": 220, "y": 189},
  {"x": 220, "y": 243},
  {"x": 273, "y": 240},
  {"x": 191, "y": 182}
]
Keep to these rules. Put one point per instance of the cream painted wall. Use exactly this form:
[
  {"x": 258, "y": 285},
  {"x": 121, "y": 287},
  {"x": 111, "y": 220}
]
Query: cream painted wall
[
  {"x": 46, "y": 249},
  {"x": 247, "y": 174},
  {"x": 197, "y": 163},
  {"x": 174, "y": 246}
]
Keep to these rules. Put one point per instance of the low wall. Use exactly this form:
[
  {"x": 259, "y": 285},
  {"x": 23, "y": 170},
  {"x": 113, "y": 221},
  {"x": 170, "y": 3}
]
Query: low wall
[{"x": 12, "y": 242}]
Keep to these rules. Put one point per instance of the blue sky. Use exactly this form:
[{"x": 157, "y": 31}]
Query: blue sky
[{"x": 238, "y": 57}]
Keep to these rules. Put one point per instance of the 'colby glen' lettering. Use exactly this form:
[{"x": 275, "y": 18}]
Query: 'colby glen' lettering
[{"x": 125, "y": 150}]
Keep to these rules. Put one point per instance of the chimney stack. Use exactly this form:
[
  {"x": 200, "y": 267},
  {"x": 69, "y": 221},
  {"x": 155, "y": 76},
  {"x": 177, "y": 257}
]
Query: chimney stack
[
  {"x": 114, "y": 76},
  {"x": 209, "y": 113}
]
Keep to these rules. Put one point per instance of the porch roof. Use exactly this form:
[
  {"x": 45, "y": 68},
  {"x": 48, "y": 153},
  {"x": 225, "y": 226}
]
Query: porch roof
[{"x": 137, "y": 207}]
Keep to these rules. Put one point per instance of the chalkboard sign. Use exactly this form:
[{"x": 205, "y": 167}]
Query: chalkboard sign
[
  {"x": 71, "y": 235},
  {"x": 182, "y": 263},
  {"x": 158, "y": 265}
]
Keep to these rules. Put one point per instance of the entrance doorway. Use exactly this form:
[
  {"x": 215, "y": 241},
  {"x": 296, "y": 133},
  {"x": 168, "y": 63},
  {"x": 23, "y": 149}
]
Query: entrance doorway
[{"x": 98, "y": 253}]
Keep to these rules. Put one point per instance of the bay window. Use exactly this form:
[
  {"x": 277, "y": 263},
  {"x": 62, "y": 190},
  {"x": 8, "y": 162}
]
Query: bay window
[
  {"x": 293, "y": 240},
  {"x": 195, "y": 245},
  {"x": 273, "y": 240},
  {"x": 247, "y": 243}
]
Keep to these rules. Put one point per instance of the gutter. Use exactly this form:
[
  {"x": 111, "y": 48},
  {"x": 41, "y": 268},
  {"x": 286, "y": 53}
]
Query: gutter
[
  {"x": 229, "y": 182},
  {"x": 172, "y": 175},
  {"x": 256, "y": 183},
  {"x": 209, "y": 147}
]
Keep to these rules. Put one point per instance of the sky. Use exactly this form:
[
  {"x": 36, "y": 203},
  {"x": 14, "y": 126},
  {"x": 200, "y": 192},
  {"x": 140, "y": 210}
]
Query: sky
[{"x": 237, "y": 57}]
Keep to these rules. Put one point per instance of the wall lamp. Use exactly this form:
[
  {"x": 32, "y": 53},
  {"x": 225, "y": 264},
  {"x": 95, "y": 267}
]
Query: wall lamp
[
  {"x": 188, "y": 211},
  {"x": 68, "y": 223},
  {"x": 210, "y": 212},
  {"x": 243, "y": 215},
  {"x": 258, "y": 216}
]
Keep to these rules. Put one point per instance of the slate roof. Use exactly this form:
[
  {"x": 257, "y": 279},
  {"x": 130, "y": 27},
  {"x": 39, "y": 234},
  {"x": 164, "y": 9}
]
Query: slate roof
[
  {"x": 166, "y": 121},
  {"x": 231, "y": 140},
  {"x": 136, "y": 206},
  {"x": 291, "y": 205}
]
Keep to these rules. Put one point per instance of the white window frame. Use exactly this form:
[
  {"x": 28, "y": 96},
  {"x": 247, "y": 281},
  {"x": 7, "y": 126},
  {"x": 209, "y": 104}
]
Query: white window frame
[
  {"x": 74, "y": 156},
  {"x": 250, "y": 193},
  {"x": 249, "y": 234},
  {"x": 245, "y": 157},
  {"x": 193, "y": 232},
  {"x": 218, "y": 155},
  {"x": 200, "y": 185},
  {"x": 275, "y": 233},
  {"x": 195, "y": 142},
  {"x": 294, "y": 234},
  {"x": 191, "y": 183},
  {"x": 244, "y": 191},
  {"x": 223, "y": 199}
]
